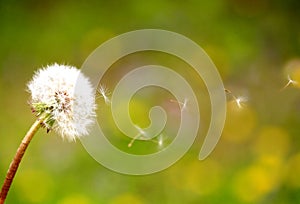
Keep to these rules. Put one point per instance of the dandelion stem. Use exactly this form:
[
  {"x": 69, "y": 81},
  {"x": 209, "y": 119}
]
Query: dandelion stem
[{"x": 17, "y": 159}]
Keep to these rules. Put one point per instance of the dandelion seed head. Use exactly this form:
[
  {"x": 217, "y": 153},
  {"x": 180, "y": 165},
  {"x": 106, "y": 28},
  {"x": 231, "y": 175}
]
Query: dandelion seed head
[{"x": 66, "y": 96}]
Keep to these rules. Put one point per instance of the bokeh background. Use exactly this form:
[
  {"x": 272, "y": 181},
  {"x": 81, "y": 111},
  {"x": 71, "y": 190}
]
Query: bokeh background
[{"x": 254, "y": 43}]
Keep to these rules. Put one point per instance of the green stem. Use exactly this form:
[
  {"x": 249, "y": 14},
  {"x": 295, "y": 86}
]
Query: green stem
[{"x": 17, "y": 159}]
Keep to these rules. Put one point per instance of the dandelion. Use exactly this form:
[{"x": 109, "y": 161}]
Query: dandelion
[
  {"x": 62, "y": 100},
  {"x": 290, "y": 82}
]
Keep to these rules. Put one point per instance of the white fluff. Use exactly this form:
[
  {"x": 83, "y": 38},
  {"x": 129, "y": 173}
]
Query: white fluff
[{"x": 67, "y": 97}]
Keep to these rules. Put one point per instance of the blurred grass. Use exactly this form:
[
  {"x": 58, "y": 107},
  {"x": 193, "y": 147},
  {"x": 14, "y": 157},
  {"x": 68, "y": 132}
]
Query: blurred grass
[{"x": 251, "y": 42}]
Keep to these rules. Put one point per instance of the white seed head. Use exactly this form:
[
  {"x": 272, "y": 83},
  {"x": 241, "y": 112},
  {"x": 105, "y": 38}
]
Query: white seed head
[{"x": 65, "y": 96}]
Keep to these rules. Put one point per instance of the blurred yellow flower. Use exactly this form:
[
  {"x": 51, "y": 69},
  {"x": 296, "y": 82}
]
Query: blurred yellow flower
[
  {"x": 201, "y": 178},
  {"x": 272, "y": 140},
  {"x": 34, "y": 186},
  {"x": 127, "y": 198},
  {"x": 293, "y": 169},
  {"x": 255, "y": 182},
  {"x": 75, "y": 199},
  {"x": 239, "y": 124}
]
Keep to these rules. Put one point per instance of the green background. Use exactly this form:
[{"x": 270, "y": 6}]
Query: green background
[{"x": 254, "y": 43}]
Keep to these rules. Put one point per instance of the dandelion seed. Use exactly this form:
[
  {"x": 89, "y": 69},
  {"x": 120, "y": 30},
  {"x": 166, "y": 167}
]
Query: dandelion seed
[
  {"x": 290, "y": 82},
  {"x": 141, "y": 135},
  {"x": 141, "y": 131},
  {"x": 133, "y": 140},
  {"x": 227, "y": 91},
  {"x": 160, "y": 141},
  {"x": 103, "y": 91},
  {"x": 183, "y": 105},
  {"x": 238, "y": 100}
]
